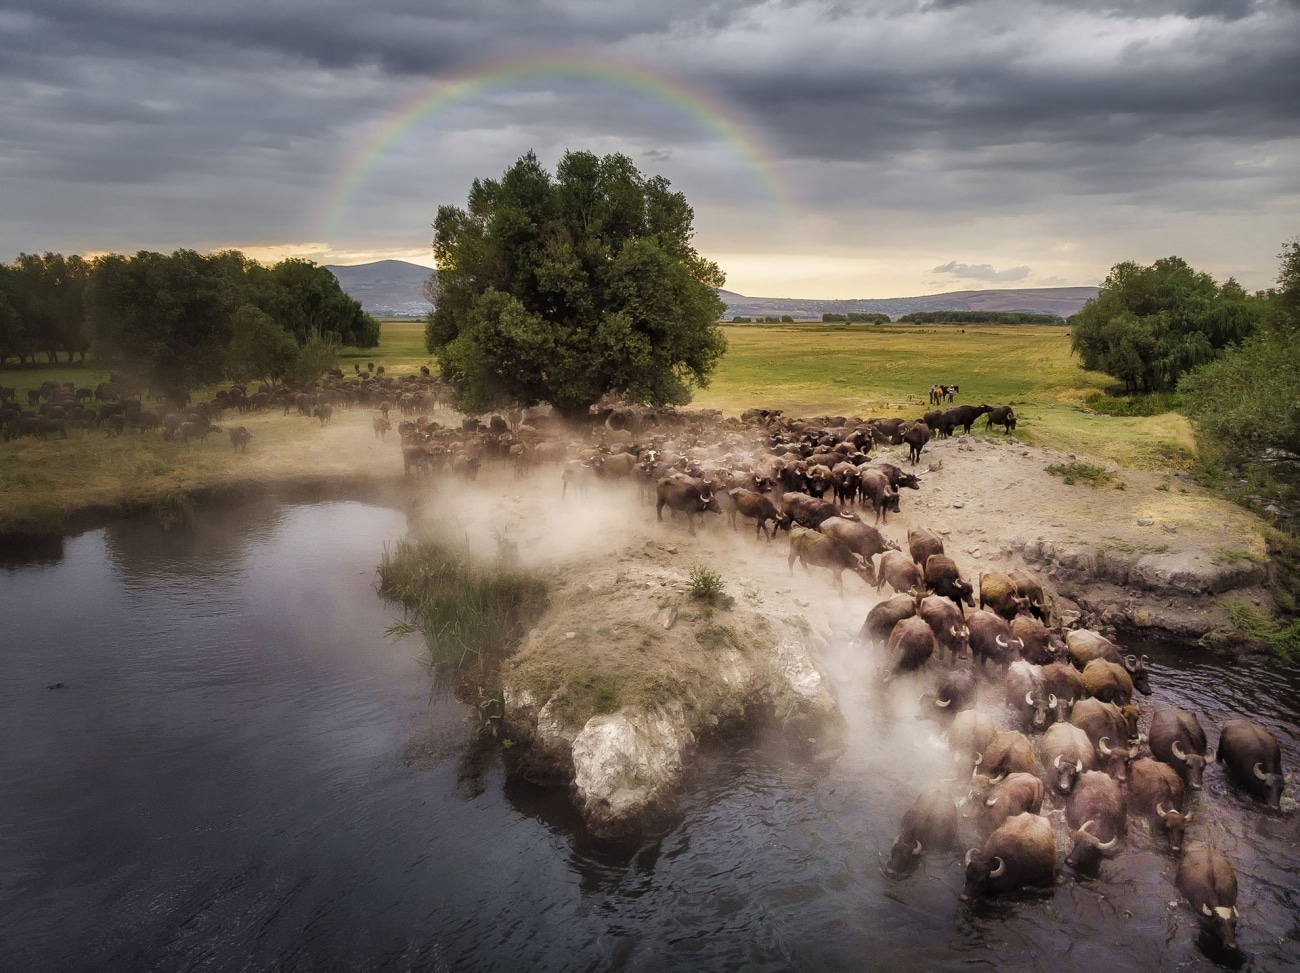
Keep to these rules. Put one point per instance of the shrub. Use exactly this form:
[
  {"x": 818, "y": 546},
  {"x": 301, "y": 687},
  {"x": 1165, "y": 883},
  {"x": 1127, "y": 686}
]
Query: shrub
[
  {"x": 706, "y": 584},
  {"x": 1087, "y": 472}
]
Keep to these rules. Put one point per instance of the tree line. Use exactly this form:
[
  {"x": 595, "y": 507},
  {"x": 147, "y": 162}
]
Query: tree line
[
  {"x": 980, "y": 317},
  {"x": 173, "y": 322}
]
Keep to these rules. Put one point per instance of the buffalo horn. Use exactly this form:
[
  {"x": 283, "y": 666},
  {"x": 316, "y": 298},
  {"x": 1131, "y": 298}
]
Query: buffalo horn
[
  {"x": 1051, "y": 700},
  {"x": 1002, "y": 867},
  {"x": 1205, "y": 907},
  {"x": 953, "y": 630},
  {"x": 1143, "y": 661},
  {"x": 1084, "y": 827},
  {"x": 1103, "y": 747},
  {"x": 1259, "y": 771},
  {"x": 1108, "y": 845},
  {"x": 917, "y": 850},
  {"x": 1078, "y": 766},
  {"x": 970, "y": 854},
  {"x": 991, "y": 802},
  {"x": 1177, "y": 749},
  {"x": 1029, "y": 698},
  {"x": 1002, "y": 643},
  {"x": 943, "y": 702},
  {"x": 1131, "y": 661},
  {"x": 979, "y": 757},
  {"x": 1019, "y": 642},
  {"x": 1160, "y": 809},
  {"x": 1057, "y": 762}
]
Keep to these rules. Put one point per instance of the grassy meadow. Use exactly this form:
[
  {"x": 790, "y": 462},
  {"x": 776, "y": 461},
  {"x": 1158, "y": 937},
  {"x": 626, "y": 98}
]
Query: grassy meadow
[{"x": 812, "y": 369}]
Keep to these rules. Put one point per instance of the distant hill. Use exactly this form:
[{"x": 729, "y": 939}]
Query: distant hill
[
  {"x": 1038, "y": 300},
  {"x": 395, "y": 288},
  {"x": 386, "y": 288}
]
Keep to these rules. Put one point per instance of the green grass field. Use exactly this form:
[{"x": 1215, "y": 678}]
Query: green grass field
[{"x": 810, "y": 369}]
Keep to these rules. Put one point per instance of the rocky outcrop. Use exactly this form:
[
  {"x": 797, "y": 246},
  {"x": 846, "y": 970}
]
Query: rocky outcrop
[{"x": 625, "y": 768}]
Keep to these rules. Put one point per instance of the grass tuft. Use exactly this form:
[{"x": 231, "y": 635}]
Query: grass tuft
[
  {"x": 468, "y": 614},
  {"x": 1089, "y": 473},
  {"x": 706, "y": 584},
  {"x": 1258, "y": 626},
  {"x": 1135, "y": 405}
]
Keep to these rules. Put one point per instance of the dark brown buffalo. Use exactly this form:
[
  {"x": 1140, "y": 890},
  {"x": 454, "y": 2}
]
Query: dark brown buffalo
[
  {"x": 965, "y": 415},
  {"x": 875, "y": 487},
  {"x": 998, "y": 593},
  {"x": 750, "y": 503},
  {"x": 883, "y": 617},
  {"x": 900, "y": 572},
  {"x": 1206, "y": 879},
  {"x": 1064, "y": 682},
  {"x": 956, "y": 692},
  {"x": 1097, "y": 812},
  {"x": 806, "y": 511},
  {"x": 860, "y": 538},
  {"x": 1155, "y": 792},
  {"x": 844, "y": 480},
  {"x": 916, "y": 435},
  {"x": 1001, "y": 415},
  {"x": 930, "y": 823},
  {"x": 922, "y": 542},
  {"x": 1009, "y": 752},
  {"x": 1028, "y": 697},
  {"x": 240, "y": 438},
  {"x": 990, "y": 639},
  {"x": 1108, "y": 729},
  {"x": 1031, "y": 589},
  {"x": 687, "y": 494},
  {"x": 1021, "y": 852},
  {"x": 1066, "y": 752},
  {"x": 898, "y": 478},
  {"x": 809, "y": 547},
  {"x": 1016, "y": 793},
  {"x": 818, "y": 479},
  {"x": 943, "y": 578},
  {"x": 1036, "y": 640},
  {"x": 948, "y": 625},
  {"x": 1176, "y": 738},
  {"x": 1253, "y": 759},
  {"x": 1137, "y": 670},
  {"x": 969, "y": 736},
  {"x": 911, "y": 644}
]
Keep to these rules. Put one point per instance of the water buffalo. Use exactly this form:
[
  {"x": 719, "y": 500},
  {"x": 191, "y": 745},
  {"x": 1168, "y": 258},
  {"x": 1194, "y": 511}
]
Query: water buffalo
[
  {"x": 948, "y": 625},
  {"x": 1137, "y": 671},
  {"x": 1066, "y": 752},
  {"x": 898, "y": 478},
  {"x": 1177, "y": 739},
  {"x": 957, "y": 691},
  {"x": 860, "y": 538},
  {"x": 686, "y": 494},
  {"x": 999, "y": 594},
  {"x": 922, "y": 542},
  {"x": 911, "y": 644},
  {"x": 943, "y": 578},
  {"x": 931, "y": 822},
  {"x": 239, "y": 438},
  {"x": 1035, "y": 639},
  {"x": 195, "y": 430},
  {"x": 1206, "y": 879},
  {"x": 1009, "y": 752},
  {"x": 965, "y": 415},
  {"x": 1028, "y": 697},
  {"x": 750, "y": 503},
  {"x": 1028, "y": 587},
  {"x": 581, "y": 476},
  {"x": 969, "y": 735},
  {"x": 916, "y": 435},
  {"x": 1017, "y": 793},
  {"x": 818, "y": 479},
  {"x": 1155, "y": 791},
  {"x": 1097, "y": 812},
  {"x": 1108, "y": 728},
  {"x": 800, "y": 508},
  {"x": 1064, "y": 682},
  {"x": 1084, "y": 645},
  {"x": 1000, "y": 415},
  {"x": 875, "y": 487},
  {"x": 884, "y": 616},
  {"x": 1253, "y": 760},
  {"x": 1020, "y": 852},
  {"x": 990, "y": 639},
  {"x": 900, "y": 572},
  {"x": 1108, "y": 682},
  {"x": 809, "y": 547}
]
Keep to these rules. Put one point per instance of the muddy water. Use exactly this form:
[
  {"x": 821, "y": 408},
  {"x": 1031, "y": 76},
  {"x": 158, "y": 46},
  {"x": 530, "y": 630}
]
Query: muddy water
[{"x": 238, "y": 772}]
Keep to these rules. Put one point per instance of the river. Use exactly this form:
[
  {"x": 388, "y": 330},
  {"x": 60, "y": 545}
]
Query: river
[{"x": 212, "y": 759}]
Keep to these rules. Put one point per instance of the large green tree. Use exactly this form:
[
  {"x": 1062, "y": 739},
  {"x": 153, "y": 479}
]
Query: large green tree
[
  {"x": 165, "y": 320},
  {"x": 306, "y": 300},
  {"x": 1148, "y": 326},
  {"x": 563, "y": 288}
]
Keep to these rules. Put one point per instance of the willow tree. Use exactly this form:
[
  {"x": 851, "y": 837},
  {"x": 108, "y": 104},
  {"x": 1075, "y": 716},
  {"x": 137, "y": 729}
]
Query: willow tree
[{"x": 561, "y": 289}]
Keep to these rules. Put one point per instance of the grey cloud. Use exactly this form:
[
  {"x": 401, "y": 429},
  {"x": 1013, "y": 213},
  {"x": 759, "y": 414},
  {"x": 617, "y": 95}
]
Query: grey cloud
[{"x": 982, "y": 272}]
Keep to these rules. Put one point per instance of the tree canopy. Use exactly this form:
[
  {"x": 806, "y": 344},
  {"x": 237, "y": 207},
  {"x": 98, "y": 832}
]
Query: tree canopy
[
  {"x": 1149, "y": 326},
  {"x": 1245, "y": 404},
  {"x": 562, "y": 289}
]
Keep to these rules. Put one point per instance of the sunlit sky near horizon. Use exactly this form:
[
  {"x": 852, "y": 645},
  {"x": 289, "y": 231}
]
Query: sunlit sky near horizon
[{"x": 830, "y": 150}]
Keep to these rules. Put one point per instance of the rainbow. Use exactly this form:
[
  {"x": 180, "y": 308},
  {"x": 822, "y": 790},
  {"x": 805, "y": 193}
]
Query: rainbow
[{"x": 713, "y": 114}]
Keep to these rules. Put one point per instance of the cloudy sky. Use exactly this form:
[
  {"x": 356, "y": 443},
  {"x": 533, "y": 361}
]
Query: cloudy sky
[{"x": 830, "y": 149}]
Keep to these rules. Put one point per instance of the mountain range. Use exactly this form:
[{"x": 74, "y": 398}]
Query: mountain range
[{"x": 395, "y": 288}]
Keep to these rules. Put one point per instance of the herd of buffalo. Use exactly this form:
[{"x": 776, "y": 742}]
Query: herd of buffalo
[{"x": 1037, "y": 715}]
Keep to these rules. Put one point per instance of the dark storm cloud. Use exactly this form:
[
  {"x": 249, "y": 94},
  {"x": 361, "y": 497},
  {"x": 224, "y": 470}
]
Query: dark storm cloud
[{"x": 930, "y": 105}]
